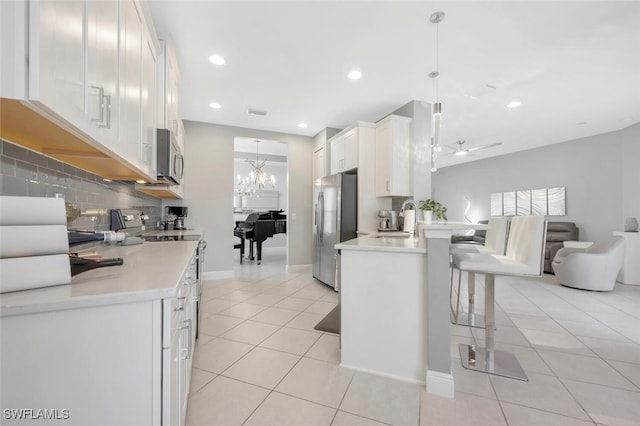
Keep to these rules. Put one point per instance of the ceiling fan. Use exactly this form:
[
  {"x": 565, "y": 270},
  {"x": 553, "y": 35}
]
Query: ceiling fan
[{"x": 462, "y": 150}]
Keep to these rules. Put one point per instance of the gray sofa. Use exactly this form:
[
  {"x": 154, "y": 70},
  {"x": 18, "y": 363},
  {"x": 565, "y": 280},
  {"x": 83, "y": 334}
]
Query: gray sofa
[
  {"x": 557, "y": 233},
  {"x": 478, "y": 236}
]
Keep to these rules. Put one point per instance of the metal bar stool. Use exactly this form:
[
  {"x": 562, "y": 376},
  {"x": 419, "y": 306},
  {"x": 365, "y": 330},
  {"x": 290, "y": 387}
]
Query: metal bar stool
[
  {"x": 495, "y": 243},
  {"x": 524, "y": 257}
]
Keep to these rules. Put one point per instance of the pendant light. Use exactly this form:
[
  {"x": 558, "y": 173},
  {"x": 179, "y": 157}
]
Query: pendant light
[
  {"x": 255, "y": 180},
  {"x": 436, "y": 106}
]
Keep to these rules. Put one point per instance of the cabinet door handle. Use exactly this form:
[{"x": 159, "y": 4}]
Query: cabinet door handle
[
  {"x": 181, "y": 307},
  {"x": 106, "y": 106},
  {"x": 100, "y": 90},
  {"x": 189, "y": 348}
]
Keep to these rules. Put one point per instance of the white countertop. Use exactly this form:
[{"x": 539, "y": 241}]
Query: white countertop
[
  {"x": 151, "y": 271},
  {"x": 385, "y": 244},
  {"x": 446, "y": 229}
]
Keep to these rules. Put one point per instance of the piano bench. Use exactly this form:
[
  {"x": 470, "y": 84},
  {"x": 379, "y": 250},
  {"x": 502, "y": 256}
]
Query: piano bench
[{"x": 241, "y": 247}]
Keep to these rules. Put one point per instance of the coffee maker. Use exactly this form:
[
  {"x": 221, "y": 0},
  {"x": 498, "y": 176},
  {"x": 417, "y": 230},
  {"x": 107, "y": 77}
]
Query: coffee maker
[
  {"x": 387, "y": 220},
  {"x": 180, "y": 213}
]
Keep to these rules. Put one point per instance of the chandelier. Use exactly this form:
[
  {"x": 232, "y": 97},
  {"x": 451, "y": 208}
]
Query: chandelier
[
  {"x": 436, "y": 108},
  {"x": 256, "y": 179}
]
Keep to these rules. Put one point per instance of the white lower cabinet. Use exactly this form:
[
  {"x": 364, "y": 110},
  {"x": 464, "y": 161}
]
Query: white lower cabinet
[
  {"x": 177, "y": 353},
  {"x": 120, "y": 364}
]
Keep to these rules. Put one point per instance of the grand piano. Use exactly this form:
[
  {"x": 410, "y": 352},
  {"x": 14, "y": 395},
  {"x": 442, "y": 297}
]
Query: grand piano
[{"x": 257, "y": 227}]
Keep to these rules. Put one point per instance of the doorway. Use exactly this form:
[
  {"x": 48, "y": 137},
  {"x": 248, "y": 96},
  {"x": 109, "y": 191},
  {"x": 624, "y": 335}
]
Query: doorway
[{"x": 260, "y": 192}]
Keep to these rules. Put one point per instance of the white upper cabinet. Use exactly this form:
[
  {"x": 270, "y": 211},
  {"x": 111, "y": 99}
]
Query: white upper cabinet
[
  {"x": 168, "y": 81},
  {"x": 130, "y": 80},
  {"x": 393, "y": 157},
  {"x": 167, "y": 109},
  {"x": 344, "y": 152},
  {"x": 90, "y": 84},
  {"x": 102, "y": 70},
  {"x": 57, "y": 59},
  {"x": 149, "y": 105}
]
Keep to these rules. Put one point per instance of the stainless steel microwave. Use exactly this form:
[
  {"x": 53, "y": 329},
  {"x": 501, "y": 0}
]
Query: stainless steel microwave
[{"x": 170, "y": 160}]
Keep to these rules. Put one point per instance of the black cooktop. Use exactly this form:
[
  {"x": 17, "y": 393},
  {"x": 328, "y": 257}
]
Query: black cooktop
[{"x": 156, "y": 238}]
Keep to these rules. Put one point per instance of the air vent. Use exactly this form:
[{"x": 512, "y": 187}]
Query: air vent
[{"x": 252, "y": 111}]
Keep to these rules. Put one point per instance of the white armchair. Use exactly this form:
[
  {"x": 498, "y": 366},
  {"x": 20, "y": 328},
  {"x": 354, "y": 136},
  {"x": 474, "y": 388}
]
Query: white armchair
[{"x": 594, "y": 268}]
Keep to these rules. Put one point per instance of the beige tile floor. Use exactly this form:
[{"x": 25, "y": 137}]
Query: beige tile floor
[{"x": 258, "y": 360}]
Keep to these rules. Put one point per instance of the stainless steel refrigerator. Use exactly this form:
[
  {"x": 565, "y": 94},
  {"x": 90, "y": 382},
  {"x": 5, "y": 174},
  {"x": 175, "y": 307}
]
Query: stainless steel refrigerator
[{"x": 335, "y": 220}]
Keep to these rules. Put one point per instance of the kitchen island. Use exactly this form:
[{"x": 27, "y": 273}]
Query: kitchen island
[
  {"x": 383, "y": 299},
  {"x": 395, "y": 311},
  {"x": 113, "y": 347}
]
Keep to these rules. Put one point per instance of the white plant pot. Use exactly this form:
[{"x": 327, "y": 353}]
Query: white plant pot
[{"x": 428, "y": 216}]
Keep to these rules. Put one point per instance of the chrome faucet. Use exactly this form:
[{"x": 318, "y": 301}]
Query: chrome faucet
[{"x": 409, "y": 202}]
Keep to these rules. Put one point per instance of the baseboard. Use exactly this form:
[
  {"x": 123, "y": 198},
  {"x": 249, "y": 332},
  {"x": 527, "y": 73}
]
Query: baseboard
[
  {"x": 300, "y": 268},
  {"x": 217, "y": 275},
  {"x": 440, "y": 384},
  {"x": 378, "y": 373}
]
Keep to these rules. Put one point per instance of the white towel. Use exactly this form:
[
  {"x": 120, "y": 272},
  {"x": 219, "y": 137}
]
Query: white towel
[
  {"x": 34, "y": 240},
  {"x": 22, "y": 273},
  {"x": 409, "y": 221},
  {"x": 32, "y": 211}
]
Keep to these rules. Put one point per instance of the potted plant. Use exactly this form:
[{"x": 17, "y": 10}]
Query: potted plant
[{"x": 432, "y": 209}]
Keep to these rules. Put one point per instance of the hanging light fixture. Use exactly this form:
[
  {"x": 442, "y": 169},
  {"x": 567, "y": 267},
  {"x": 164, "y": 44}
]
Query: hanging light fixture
[
  {"x": 436, "y": 107},
  {"x": 256, "y": 179}
]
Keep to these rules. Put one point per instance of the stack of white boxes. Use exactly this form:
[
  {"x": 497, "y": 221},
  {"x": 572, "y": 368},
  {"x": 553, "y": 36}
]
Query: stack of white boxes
[{"x": 34, "y": 247}]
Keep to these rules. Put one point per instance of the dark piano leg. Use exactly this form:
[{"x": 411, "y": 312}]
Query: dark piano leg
[
  {"x": 259, "y": 244},
  {"x": 241, "y": 250},
  {"x": 251, "y": 250}
]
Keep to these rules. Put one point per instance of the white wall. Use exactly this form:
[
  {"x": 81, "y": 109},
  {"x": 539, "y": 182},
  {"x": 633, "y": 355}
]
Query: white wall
[
  {"x": 631, "y": 172},
  {"x": 600, "y": 173},
  {"x": 209, "y": 182}
]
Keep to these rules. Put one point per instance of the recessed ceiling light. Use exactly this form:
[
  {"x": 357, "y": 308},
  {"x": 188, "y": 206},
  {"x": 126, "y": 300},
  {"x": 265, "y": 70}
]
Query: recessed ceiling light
[
  {"x": 141, "y": 181},
  {"x": 513, "y": 104},
  {"x": 302, "y": 125},
  {"x": 215, "y": 105},
  {"x": 355, "y": 75},
  {"x": 106, "y": 180},
  {"x": 217, "y": 60}
]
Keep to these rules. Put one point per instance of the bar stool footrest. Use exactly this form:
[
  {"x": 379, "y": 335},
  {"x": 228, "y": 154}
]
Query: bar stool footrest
[
  {"x": 469, "y": 320},
  {"x": 504, "y": 363}
]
